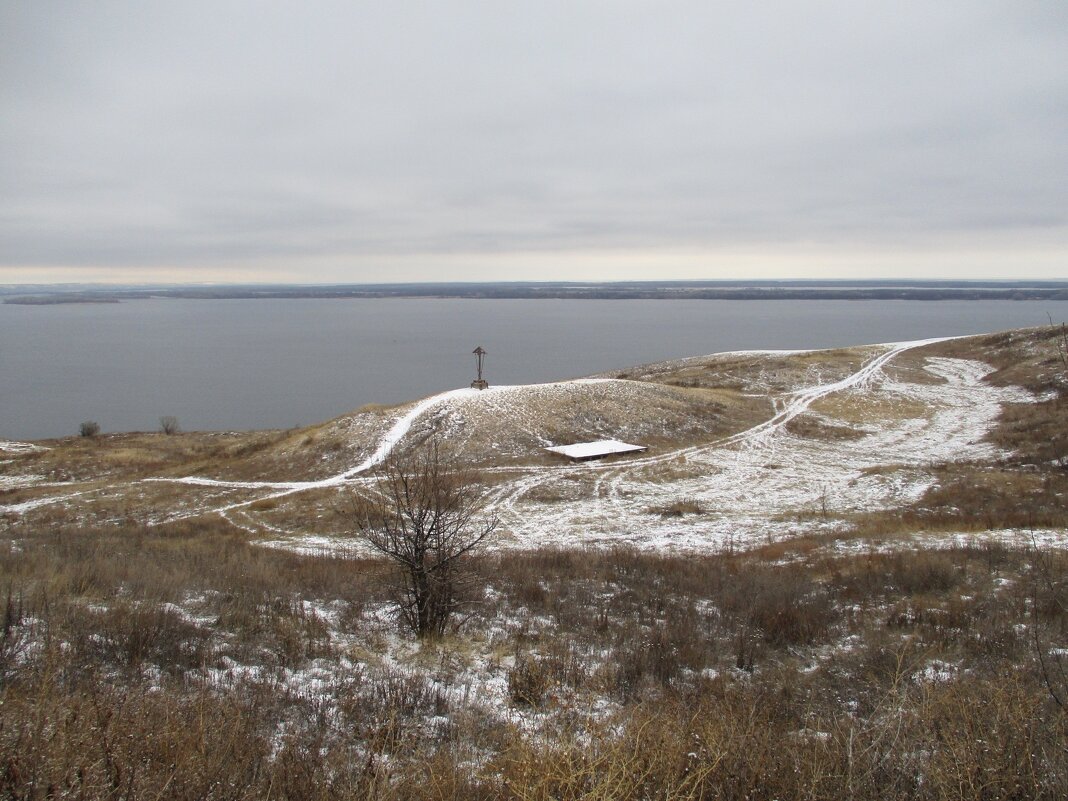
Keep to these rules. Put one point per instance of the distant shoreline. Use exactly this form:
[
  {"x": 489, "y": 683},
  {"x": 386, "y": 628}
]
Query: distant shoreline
[
  {"x": 55, "y": 300},
  {"x": 668, "y": 290}
]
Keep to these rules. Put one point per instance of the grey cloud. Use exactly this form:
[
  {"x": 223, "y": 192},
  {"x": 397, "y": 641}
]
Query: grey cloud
[{"x": 200, "y": 133}]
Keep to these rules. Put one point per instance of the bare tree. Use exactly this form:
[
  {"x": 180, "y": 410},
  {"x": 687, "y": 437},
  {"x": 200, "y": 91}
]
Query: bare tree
[
  {"x": 428, "y": 518},
  {"x": 89, "y": 428},
  {"x": 168, "y": 424}
]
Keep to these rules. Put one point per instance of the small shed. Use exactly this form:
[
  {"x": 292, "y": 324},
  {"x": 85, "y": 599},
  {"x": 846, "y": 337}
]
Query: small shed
[{"x": 585, "y": 451}]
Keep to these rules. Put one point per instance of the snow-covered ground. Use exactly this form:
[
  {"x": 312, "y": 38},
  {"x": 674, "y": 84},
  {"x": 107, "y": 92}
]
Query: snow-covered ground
[
  {"x": 765, "y": 483},
  {"x": 21, "y": 447},
  {"x": 753, "y": 487},
  {"x": 759, "y": 485}
]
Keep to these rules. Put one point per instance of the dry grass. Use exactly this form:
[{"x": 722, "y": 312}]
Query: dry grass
[
  {"x": 910, "y": 367},
  {"x": 970, "y": 497},
  {"x": 569, "y": 486},
  {"x": 787, "y": 674},
  {"x": 748, "y": 373},
  {"x": 678, "y": 508},
  {"x": 678, "y": 469},
  {"x": 866, "y": 409},
  {"x": 819, "y": 427},
  {"x": 1034, "y": 432},
  {"x": 135, "y": 455}
]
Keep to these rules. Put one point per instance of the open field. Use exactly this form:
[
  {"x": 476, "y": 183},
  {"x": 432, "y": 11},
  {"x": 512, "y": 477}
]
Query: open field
[{"x": 834, "y": 574}]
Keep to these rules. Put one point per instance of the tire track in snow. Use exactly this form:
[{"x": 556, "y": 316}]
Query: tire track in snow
[
  {"x": 796, "y": 403},
  {"x": 764, "y": 435},
  {"x": 742, "y": 494}
]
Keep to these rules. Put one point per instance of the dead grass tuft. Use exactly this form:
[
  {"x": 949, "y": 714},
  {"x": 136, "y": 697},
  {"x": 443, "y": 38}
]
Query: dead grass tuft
[{"x": 678, "y": 508}]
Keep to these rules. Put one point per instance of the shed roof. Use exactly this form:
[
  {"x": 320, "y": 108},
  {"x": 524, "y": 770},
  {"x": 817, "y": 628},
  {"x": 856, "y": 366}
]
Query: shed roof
[{"x": 581, "y": 451}]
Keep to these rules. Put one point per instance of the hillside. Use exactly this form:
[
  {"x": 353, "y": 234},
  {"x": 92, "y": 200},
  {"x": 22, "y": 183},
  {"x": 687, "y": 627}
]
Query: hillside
[
  {"x": 833, "y": 574},
  {"x": 744, "y": 448}
]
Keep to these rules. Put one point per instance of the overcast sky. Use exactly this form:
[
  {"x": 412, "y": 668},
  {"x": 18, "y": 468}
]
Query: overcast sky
[{"x": 357, "y": 141}]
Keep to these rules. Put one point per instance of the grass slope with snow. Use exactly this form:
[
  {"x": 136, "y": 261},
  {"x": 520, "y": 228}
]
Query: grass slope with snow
[{"x": 744, "y": 448}]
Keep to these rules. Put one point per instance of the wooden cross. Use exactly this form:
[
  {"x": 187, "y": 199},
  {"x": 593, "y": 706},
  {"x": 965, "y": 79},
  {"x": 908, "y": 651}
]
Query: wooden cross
[{"x": 480, "y": 382}]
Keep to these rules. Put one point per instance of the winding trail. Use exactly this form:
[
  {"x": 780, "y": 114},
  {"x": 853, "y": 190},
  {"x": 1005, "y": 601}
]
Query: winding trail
[
  {"x": 394, "y": 435},
  {"x": 607, "y": 484}
]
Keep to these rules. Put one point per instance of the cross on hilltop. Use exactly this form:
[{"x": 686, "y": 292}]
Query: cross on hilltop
[{"x": 480, "y": 382}]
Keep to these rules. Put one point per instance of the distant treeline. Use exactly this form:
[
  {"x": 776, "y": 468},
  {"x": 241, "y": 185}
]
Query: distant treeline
[
  {"x": 52, "y": 300},
  {"x": 678, "y": 290}
]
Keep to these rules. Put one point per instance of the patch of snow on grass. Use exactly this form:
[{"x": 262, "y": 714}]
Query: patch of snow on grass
[
  {"x": 767, "y": 484},
  {"x": 26, "y": 506},
  {"x": 21, "y": 447},
  {"x": 19, "y": 482}
]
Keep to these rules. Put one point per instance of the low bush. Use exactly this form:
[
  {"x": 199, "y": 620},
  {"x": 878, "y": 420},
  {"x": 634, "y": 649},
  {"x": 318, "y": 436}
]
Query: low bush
[{"x": 528, "y": 682}]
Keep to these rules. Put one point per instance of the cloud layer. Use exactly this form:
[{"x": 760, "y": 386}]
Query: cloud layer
[{"x": 451, "y": 141}]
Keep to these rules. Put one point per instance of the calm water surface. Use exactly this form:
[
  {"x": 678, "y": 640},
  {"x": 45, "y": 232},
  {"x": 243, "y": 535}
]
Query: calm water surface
[{"x": 247, "y": 364}]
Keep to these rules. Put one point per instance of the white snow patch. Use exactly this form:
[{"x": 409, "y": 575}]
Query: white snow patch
[
  {"x": 315, "y": 545},
  {"x": 937, "y": 671},
  {"x": 22, "y": 447},
  {"x": 20, "y": 482},
  {"x": 26, "y": 506}
]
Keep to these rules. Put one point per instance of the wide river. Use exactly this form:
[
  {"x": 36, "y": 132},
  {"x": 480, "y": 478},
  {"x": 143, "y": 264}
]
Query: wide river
[{"x": 249, "y": 364}]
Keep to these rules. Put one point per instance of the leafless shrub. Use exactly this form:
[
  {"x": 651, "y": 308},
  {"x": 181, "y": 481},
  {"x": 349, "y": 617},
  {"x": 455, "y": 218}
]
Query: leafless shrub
[
  {"x": 650, "y": 659},
  {"x": 1049, "y": 609},
  {"x": 409, "y": 694},
  {"x": 427, "y": 521},
  {"x": 389, "y": 713},
  {"x": 922, "y": 572},
  {"x": 130, "y": 635},
  {"x": 168, "y": 424},
  {"x": 291, "y": 634},
  {"x": 17, "y": 636},
  {"x": 89, "y": 428}
]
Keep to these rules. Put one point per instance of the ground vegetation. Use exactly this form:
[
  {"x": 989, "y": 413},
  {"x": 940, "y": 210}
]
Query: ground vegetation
[
  {"x": 872, "y": 616},
  {"x": 183, "y": 662}
]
